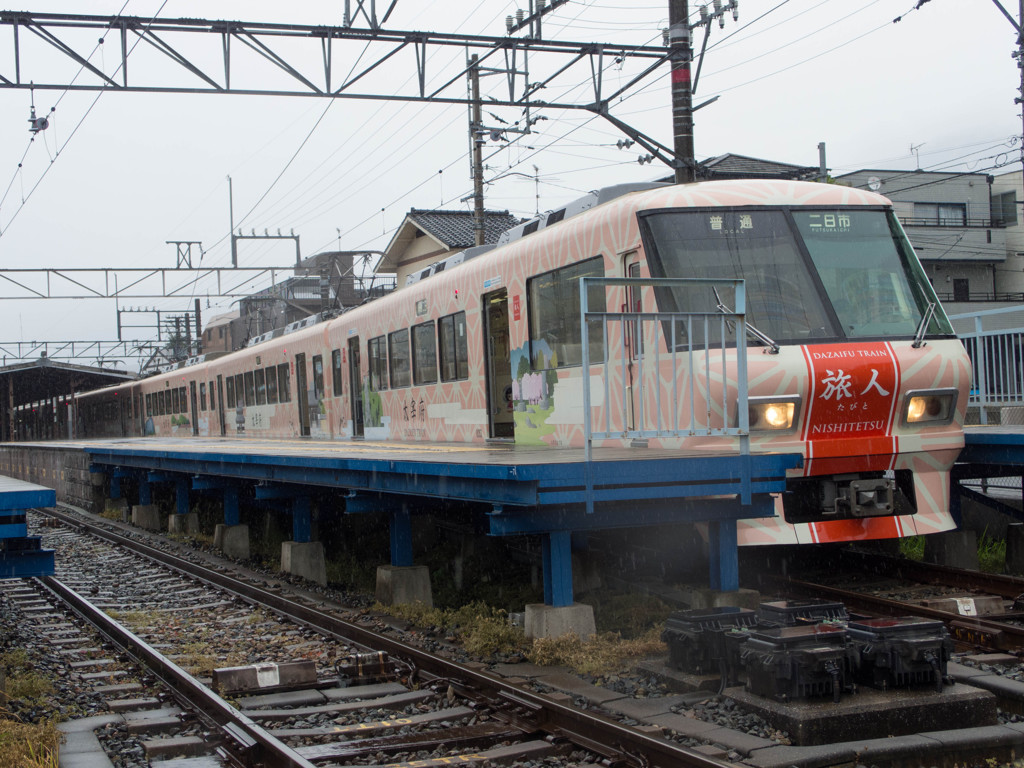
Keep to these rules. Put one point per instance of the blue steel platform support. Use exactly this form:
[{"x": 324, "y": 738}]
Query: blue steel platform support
[
  {"x": 145, "y": 492},
  {"x": 401, "y": 537},
  {"x": 723, "y": 556},
  {"x": 229, "y": 495},
  {"x": 21, "y": 555},
  {"x": 302, "y": 518},
  {"x": 557, "y": 555},
  {"x": 181, "y": 486}
]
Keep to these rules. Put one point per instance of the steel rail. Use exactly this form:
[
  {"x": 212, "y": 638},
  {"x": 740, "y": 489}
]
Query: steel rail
[
  {"x": 972, "y": 630},
  {"x": 590, "y": 730},
  {"x": 244, "y": 733},
  {"x": 1009, "y": 587}
]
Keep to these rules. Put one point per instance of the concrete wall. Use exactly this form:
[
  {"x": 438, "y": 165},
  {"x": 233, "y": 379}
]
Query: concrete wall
[{"x": 63, "y": 469}]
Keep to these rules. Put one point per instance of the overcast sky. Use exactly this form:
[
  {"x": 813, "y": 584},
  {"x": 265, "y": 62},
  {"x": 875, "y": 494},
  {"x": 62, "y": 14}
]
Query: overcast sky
[{"x": 126, "y": 172}]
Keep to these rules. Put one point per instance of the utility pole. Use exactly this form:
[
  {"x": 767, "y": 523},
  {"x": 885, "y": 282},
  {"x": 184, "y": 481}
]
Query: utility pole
[
  {"x": 682, "y": 96},
  {"x": 1019, "y": 56},
  {"x": 476, "y": 137}
]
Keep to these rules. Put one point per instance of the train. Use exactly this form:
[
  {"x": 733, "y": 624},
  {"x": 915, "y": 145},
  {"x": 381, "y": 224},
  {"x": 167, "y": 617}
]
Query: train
[{"x": 845, "y": 355}]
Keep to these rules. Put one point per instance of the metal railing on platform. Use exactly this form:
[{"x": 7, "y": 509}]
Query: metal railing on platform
[
  {"x": 997, "y": 360},
  {"x": 663, "y": 373}
]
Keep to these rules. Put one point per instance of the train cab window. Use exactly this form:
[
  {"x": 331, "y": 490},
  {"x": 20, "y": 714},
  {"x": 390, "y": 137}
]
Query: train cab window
[
  {"x": 318, "y": 377},
  {"x": 759, "y": 246},
  {"x": 271, "y": 377},
  {"x": 284, "y": 390},
  {"x": 202, "y": 395},
  {"x": 377, "y": 355},
  {"x": 229, "y": 385},
  {"x": 398, "y": 357},
  {"x": 336, "y": 377},
  {"x": 213, "y": 403},
  {"x": 250, "y": 389},
  {"x": 261, "y": 386},
  {"x": 424, "y": 354},
  {"x": 554, "y": 313},
  {"x": 451, "y": 331},
  {"x": 874, "y": 285}
]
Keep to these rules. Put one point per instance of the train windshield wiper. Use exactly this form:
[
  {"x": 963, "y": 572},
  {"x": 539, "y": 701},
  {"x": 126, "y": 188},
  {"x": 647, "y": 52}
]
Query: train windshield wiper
[
  {"x": 923, "y": 325},
  {"x": 761, "y": 336}
]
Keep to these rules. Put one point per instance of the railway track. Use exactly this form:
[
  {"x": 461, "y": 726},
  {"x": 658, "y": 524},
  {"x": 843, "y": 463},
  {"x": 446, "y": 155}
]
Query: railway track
[
  {"x": 372, "y": 699},
  {"x": 893, "y": 586}
]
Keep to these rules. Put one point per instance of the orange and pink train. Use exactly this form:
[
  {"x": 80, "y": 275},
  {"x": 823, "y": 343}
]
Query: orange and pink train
[{"x": 854, "y": 365}]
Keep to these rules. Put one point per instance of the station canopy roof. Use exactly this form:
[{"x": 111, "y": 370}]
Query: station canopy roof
[{"x": 44, "y": 378}]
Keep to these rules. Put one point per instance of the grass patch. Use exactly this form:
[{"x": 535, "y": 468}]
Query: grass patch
[
  {"x": 604, "y": 654},
  {"x": 629, "y": 615},
  {"x": 912, "y": 548},
  {"x": 136, "y": 618},
  {"x": 482, "y": 630},
  {"x": 20, "y": 681},
  {"x": 991, "y": 554},
  {"x": 28, "y": 746}
]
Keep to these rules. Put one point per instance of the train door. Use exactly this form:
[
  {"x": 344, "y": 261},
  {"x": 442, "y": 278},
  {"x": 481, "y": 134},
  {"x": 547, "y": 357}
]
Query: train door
[
  {"x": 355, "y": 387},
  {"x": 220, "y": 405},
  {"x": 501, "y": 421},
  {"x": 195, "y": 407},
  {"x": 634, "y": 339},
  {"x": 302, "y": 394}
]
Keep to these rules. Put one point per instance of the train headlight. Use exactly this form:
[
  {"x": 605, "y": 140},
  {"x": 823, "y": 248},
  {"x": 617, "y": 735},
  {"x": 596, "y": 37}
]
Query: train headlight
[
  {"x": 929, "y": 407},
  {"x": 772, "y": 414}
]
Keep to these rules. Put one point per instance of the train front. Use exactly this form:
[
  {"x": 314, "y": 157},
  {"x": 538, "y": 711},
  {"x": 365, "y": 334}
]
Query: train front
[{"x": 851, "y": 360}]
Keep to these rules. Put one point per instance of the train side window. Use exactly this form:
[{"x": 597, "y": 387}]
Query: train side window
[
  {"x": 284, "y": 390},
  {"x": 149, "y": 405},
  {"x": 261, "y": 387},
  {"x": 175, "y": 400},
  {"x": 451, "y": 334},
  {"x": 202, "y": 395},
  {"x": 182, "y": 400},
  {"x": 554, "y": 314},
  {"x": 378, "y": 358},
  {"x": 336, "y": 378},
  {"x": 398, "y": 357},
  {"x": 250, "y": 389},
  {"x": 229, "y": 385},
  {"x": 239, "y": 390},
  {"x": 213, "y": 399},
  {"x": 164, "y": 395},
  {"x": 271, "y": 376},
  {"x": 318, "y": 377},
  {"x": 424, "y": 354}
]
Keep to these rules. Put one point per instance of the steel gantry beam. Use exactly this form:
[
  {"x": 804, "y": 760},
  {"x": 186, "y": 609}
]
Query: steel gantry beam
[
  {"x": 13, "y": 351},
  {"x": 308, "y": 59},
  {"x": 131, "y": 283}
]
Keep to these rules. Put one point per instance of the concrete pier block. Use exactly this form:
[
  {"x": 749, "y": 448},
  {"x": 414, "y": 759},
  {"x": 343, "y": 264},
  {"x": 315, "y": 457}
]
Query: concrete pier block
[
  {"x": 305, "y": 559},
  {"x": 400, "y": 585},
  {"x": 232, "y": 540},
  {"x": 1015, "y": 549},
  {"x": 957, "y": 549},
  {"x": 188, "y": 524},
  {"x": 550, "y": 621},
  {"x": 147, "y": 516}
]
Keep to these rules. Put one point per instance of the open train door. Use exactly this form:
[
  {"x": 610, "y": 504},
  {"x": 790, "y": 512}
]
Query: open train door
[
  {"x": 355, "y": 387},
  {"x": 220, "y": 405},
  {"x": 195, "y": 407},
  {"x": 302, "y": 394},
  {"x": 498, "y": 368}
]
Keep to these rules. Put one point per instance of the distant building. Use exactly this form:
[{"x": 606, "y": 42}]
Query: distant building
[
  {"x": 428, "y": 236},
  {"x": 324, "y": 284},
  {"x": 219, "y": 334},
  {"x": 949, "y": 220},
  {"x": 730, "y": 166}
]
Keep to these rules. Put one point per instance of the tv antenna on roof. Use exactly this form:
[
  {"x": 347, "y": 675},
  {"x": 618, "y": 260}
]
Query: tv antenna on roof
[{"x": 916, "y": 154}]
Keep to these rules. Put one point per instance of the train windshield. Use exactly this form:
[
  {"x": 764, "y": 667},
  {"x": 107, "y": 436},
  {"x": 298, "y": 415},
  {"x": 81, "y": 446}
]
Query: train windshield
[{"x": 860, "y": 280}]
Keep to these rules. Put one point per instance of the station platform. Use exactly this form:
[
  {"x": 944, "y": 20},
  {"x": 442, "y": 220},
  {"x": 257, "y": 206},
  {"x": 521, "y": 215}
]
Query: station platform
[
  {"x": 21, "y": 555},
  {"x": 552, "y": 492},
  {"x": 997, "y": 445}
]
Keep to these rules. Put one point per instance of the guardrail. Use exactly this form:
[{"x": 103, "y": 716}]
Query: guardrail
[
  {"x": 674, "y": 376},
  {"x": 997, "y": 360}
]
